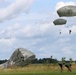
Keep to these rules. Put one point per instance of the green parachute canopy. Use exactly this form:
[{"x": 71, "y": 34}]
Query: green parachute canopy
[
  {"x": 59, "y": 21},
  {"x": 67, "y": 11}
]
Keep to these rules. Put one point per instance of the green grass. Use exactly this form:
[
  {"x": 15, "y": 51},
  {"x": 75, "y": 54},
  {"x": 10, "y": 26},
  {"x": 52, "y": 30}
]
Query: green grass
[
  {"x": 39, "y": 73},
  {"x": 37, "y": 70}
]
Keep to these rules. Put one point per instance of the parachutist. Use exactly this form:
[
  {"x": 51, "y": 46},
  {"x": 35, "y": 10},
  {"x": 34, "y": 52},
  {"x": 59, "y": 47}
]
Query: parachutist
[
  {"x": 61, "y": 66},
  {"x": 68, "y": 66},
  {"x": 60, "y": 32},
  {"x": 70, "y": 31}
]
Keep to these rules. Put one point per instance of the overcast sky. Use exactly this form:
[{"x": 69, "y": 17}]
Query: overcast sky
[{"x": 29, "y": 24}]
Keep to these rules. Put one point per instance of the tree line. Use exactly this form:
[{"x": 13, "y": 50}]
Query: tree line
[
  {"x": 46, "y": 60},
  {"x": 3, "y": 61},
  {"x": 52, "y": 60}
]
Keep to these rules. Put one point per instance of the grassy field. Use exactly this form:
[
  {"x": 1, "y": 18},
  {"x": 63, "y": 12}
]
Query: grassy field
[{"x": 37, "y": 70}]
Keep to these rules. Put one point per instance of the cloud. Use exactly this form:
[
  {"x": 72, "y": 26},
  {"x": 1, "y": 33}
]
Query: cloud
[
  {"x": 63, "y": 40},
  {"x": 40, "y": 28},
  {"x": 67, "y": 50},
  {"x": 29, "y": 30},
  {"x": 14, "y": 9},
  {"x": 36, "y": 30},
  {"x": 3, "y": 0},
  {"x": 61, "y": 4},
  {"x": 6, "y": 47},
  {"x": 9, "y": 40}
]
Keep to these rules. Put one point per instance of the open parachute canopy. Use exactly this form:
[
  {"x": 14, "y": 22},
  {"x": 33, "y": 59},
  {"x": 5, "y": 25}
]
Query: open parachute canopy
[
  {"x": 20, "y": 57},
  {"x": 67, "y": 11},
  {"x": 59, "y": 21}
]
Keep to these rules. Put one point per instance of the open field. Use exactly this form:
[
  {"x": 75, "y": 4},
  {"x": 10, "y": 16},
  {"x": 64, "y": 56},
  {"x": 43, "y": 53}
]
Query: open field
[{"x": 38, "y": 70}]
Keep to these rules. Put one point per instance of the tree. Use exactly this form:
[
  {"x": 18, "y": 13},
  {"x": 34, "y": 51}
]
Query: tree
[
  {"x": 51, "y": 57},
  {"x": 70, "y": 59},
  {"x": 63, "y": 59}
]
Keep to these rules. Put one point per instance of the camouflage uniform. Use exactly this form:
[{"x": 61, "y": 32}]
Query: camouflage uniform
[{"x": 68, "y": 65}]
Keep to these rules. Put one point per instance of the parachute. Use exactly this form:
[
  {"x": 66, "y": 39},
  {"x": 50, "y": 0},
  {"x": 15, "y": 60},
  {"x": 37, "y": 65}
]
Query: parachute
[
  {"x": 67, "y": 11},
  {"x": 20, "y": 57},
  {"x": 59, "y": 21}
]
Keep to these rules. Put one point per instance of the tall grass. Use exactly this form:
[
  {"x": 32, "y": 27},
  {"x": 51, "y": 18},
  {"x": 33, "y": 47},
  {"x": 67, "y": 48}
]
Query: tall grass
[{"x": 37, "y": 69}]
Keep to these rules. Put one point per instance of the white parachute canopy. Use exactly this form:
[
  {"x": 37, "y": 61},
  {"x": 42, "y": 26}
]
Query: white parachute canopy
[{"x": 20, "y": 57}]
